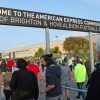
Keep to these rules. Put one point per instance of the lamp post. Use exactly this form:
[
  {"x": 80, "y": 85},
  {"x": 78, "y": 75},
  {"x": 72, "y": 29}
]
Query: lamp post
[
  {"x": 91, "y": 52},
  {"x": 47, "y": 41}
]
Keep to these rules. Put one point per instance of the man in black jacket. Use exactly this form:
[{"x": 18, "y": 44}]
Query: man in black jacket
[
  {"x": 24, "y": 83},
  {"x": 93, "y": 92}
]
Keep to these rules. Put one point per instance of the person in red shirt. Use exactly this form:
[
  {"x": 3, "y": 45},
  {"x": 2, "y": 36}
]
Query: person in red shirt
[{"x": 33, "y": 68}]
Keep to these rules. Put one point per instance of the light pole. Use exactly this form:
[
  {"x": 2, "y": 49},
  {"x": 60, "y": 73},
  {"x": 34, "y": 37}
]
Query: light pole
[
  {"x": 47, "y": 41},
  {"x": 91, "y": 52}
]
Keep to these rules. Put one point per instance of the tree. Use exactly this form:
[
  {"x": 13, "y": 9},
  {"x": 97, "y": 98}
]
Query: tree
[
  {"x": 36, "y": 54},
  {"x": 52, "y": 50},
  {"x": 39, "y": 53},
  {"x": 56, "y": 52},
  {"x": 78, "y": 45},
  {"x": 56, "y": 49}
]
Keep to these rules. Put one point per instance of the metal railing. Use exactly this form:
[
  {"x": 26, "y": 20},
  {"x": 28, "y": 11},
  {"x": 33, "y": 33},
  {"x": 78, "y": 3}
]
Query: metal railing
[{"x": 74, "y": 89}]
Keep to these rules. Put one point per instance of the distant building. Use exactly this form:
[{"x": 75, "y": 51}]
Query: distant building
[{"x": 28, "y": 51}]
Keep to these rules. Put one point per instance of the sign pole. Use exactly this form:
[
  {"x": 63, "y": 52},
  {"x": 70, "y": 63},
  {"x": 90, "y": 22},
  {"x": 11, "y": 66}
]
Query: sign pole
[
  {"x": 91, "y": 52},
  {"x": 47, "y": 41}
]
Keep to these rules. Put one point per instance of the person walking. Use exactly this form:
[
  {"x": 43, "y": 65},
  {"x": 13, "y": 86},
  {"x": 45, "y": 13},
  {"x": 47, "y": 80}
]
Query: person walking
[
  {"x": 1, "y": 86},
  {"x": 79, "y": 76},
  {"x": 6, "y": 79},
  {"x": 88, "y": 67},
  {"x": 24, "y": 83},
  {"x": 33, "y": 68},
  {"x": 97, "y": 65},
  {"x": 93, "y": 92},
  {"x": 65, "y": 80},
  {"x": 3, "y": 69},
  {"x": 53, "y": 88}
]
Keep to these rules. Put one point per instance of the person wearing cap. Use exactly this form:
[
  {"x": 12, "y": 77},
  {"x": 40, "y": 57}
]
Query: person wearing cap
[
  {"x": 53, "y": 88},
  {"x": 23, "y": 82}
]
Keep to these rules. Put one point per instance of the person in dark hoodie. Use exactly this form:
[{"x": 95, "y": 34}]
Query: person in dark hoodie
[
  {"x": 24, "y": 83},
  {"x": 53, "y": 88},
  {"x": 93, "y": 92}
]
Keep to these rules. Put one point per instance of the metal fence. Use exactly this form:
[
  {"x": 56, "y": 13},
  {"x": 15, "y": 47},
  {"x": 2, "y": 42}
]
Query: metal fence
[{"x": 74, "y": 89}]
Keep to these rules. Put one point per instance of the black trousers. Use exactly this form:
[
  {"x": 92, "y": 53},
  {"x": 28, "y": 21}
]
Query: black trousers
[
  {"x": 23, "y": 95},
  {"x": 80, "y": 86},
  {"x": 8, "y": 94}
]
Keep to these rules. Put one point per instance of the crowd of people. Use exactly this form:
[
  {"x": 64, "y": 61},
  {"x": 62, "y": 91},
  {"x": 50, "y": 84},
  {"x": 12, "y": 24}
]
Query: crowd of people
[
  {"x": 20, "y": 78},
  {"x": 21, "y": 84}
]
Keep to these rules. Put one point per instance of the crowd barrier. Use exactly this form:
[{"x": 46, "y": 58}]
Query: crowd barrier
[{"x": 74, "y": 89}]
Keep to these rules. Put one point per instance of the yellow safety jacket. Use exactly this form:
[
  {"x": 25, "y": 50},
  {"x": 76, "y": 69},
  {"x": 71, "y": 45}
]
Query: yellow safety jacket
[{"x": 80, "y": 73}]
